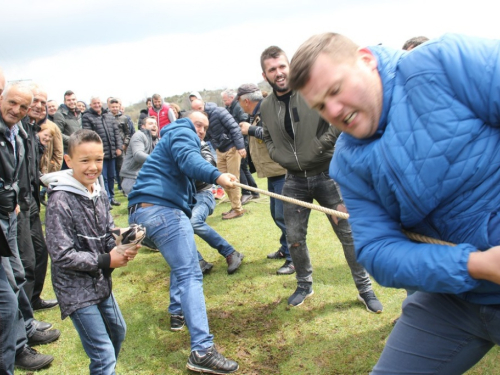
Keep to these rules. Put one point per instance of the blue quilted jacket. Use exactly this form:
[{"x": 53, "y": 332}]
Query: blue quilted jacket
[{"x": 433, "y": 167}]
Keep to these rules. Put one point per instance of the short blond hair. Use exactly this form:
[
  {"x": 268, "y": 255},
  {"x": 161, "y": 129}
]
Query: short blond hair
[{"x": 335, "y": 45}]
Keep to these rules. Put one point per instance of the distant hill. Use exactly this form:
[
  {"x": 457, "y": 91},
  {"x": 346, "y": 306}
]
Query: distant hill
[{"x": 182, "y": 100}]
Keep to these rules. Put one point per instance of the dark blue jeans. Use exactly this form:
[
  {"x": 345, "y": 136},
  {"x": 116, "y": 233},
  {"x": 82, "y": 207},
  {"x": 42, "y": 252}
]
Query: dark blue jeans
[
  {"x": 275, "y": 185},
  {"x": 102, "y": 330},
  {"x": 108, "y": 174},
  {"x": 439, "y": 334},
  {"x": 205, "y": 204},
  {"x": 322, "y": 188}
]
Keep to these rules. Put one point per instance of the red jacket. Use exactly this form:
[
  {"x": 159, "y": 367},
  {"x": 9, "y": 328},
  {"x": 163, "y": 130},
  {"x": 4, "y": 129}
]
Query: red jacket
[{"x": 161, "y": 116}]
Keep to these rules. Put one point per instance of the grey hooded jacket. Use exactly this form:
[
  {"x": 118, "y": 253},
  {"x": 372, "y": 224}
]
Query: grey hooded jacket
[{"x": 78, "y": 226}]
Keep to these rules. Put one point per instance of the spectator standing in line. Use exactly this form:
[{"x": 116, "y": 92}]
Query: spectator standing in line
[
  {"x": 163, "y": 113},
  {"x": 69, "y": 119},
  {"x": 250, "y": 98},
  {"x": 14, "y": 105},
  {"x": 124, "y": 129},
  {"x": 104, "y": 124},
  {"x": 144, "y": 112},
  {"x": 246, "y": 178},
  {"x": 51, "y": 109}
]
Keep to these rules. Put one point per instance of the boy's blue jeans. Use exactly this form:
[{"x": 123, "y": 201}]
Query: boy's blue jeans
[
  {"x": 102, "y": 330},
  {"x": 171, "y": 232},
  {"x": 439, "y": 334}
]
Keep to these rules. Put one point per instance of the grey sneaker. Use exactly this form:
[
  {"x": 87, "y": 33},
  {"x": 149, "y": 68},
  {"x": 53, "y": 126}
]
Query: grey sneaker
[
  {"x": 205, "y": 266},
  {"x": 211, "y": 363},
  {"x": 234, "y": 261},
  {"x": 286, "y": 269},
  {"x": 177, "y": 322},
  {"x": 30, "y": 359},
  {"x": 300, "y": 294},
  {"x": 371, "y": 302}
]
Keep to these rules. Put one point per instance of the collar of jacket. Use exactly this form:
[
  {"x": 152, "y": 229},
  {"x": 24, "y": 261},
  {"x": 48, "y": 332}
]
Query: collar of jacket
[{"x": 256, "y": 110}]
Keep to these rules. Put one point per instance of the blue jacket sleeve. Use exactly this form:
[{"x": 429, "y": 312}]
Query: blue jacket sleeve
[{"x": 388, "y": 255}]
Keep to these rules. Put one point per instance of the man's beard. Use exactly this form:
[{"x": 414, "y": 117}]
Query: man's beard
[{"x": 276, "y": 87}]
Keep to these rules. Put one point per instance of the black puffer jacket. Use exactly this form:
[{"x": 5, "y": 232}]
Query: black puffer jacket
[
  {"x": 68, "y": 122},
  {"x": 79, "y": 242},
  {"x": 223, "y": 132},
  {"x": 9, "y": 179},
  {"x": 106, "y": 126}
]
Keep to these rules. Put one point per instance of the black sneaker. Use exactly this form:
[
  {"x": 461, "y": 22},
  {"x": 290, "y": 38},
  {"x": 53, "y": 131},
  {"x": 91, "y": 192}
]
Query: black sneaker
[
  {"x": 300, "y": 294},
  {"x": 44, "y": 337},
  {"x": 114, "y": 202},
  {"x": 277, "y": 255},
  {"x": 30, "y": 359},
  {"x": 212, "y": 363},
  {"x": 177, "y": 322},
  {"x": 286, "y": 269},
  {"x": 371, "y": 302},
  {"x": 205, "y": 266},
  {"x": 234, "y": 261}
]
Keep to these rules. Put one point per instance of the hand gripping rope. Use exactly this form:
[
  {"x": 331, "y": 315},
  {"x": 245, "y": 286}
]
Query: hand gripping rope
[{"x": 342, "y": 215}]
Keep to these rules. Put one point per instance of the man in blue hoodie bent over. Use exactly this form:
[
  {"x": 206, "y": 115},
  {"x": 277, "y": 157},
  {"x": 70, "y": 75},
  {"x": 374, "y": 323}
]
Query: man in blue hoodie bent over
[{"x": 161, "y": 200}]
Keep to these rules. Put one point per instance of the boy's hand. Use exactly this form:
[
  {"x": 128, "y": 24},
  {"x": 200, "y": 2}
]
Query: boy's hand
[
  {"x": 117, "y": 260},
  {"x": 131, "y": 253}
]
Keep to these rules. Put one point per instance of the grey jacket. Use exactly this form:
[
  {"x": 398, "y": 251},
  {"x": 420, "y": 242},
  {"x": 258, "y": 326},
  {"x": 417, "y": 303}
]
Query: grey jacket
[
  {"x": 140, "y": 147},
  {"x": 79, "y": 241},
  {"x": 310, "y": 152},
  {"x": 68, "y": 122}
]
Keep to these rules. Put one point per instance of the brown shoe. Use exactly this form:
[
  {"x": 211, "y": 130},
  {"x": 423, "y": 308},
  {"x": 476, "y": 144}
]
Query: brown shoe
[
  {"x": 233, "y": 214},
  {"x": 227, "y": 213}
]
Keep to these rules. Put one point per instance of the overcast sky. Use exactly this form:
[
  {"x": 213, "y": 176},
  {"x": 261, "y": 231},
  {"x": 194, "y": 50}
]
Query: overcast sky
[{"x": 132, "y": 49}]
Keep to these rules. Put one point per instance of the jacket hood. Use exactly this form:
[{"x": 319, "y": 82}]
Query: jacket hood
[
  {"x": 182, "y": 122},
  {"x": 64, "y": 180}
]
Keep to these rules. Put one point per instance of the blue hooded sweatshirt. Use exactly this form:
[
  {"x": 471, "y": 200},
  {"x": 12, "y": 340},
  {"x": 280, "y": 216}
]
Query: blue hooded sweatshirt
[{"x": 167, "y": 177}]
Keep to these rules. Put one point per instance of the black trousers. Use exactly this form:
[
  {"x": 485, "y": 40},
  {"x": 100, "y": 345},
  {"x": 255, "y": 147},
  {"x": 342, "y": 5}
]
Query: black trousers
[{"x": 33, "y": 251}]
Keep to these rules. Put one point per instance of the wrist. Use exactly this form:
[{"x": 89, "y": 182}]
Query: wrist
[{"x": 477, "y": 265}]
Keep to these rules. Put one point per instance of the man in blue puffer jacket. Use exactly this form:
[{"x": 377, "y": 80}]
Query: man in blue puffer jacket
[{"x": 419, "y": 152}]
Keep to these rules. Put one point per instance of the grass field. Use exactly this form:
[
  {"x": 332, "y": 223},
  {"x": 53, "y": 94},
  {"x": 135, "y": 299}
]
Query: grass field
[{"x": 331, "y": 333}]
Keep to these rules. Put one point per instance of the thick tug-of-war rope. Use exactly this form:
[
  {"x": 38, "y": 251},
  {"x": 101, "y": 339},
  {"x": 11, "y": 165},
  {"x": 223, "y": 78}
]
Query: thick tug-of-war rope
[{"x": 342, "y": 215}]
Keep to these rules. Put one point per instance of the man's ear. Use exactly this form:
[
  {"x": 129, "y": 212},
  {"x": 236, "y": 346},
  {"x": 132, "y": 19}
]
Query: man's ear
[{"x": 366, "y": 56}]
